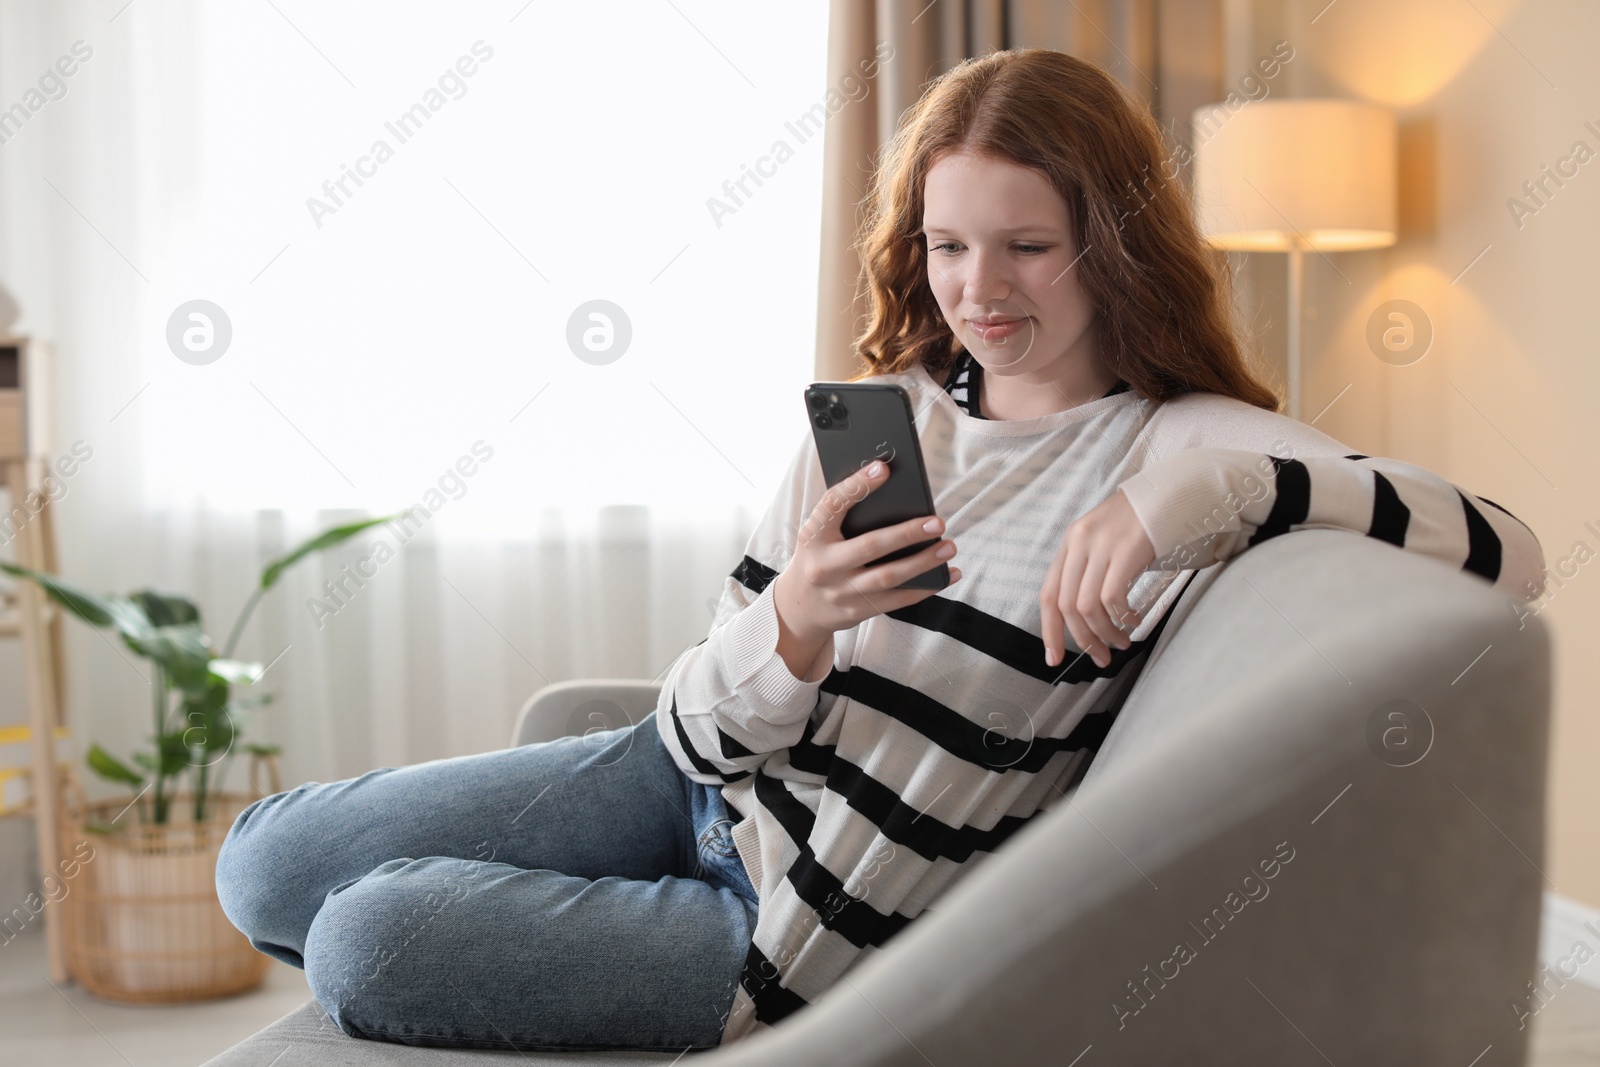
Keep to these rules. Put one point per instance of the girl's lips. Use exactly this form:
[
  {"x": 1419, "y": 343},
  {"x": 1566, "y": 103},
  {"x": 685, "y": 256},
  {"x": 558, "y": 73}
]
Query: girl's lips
[{"x": 996, "y": 331}]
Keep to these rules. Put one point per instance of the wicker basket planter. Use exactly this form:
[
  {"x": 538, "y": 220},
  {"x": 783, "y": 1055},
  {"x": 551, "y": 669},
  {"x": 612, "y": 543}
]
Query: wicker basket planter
[{"x": 143, "y": 923}]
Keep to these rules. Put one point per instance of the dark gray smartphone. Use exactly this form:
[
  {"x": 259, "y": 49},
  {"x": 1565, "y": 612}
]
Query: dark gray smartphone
[{"x": 855, "y": 423}]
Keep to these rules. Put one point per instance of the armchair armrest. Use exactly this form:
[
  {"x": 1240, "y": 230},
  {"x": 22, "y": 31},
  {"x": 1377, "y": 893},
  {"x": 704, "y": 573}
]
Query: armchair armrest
[{"x": 1398, "y": 931}]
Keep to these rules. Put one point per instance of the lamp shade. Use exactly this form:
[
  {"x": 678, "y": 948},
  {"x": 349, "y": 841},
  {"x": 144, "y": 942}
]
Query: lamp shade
[{"x": 1274, "y": 172}]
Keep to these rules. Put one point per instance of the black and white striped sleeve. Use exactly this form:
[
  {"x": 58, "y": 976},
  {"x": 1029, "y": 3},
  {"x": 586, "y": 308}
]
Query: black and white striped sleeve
[
  {"x": 730, "y": 701},
  {"x": 1202, "y": 505}
]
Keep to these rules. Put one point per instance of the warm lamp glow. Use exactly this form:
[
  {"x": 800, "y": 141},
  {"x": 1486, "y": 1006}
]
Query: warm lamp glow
[
  {"x": 1424, "y": 46},
  {"x": 1320, "y": 173},
  {"x": 1296, "y": 176}
]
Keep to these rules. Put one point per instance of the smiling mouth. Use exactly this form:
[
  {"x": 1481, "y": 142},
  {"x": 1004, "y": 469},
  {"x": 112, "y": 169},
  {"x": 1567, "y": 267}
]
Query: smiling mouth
[{"x": 997, "y": 331}]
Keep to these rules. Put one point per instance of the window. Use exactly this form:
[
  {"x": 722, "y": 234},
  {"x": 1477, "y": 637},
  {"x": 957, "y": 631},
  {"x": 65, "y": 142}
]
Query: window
[{"x": 400, "y": 209}]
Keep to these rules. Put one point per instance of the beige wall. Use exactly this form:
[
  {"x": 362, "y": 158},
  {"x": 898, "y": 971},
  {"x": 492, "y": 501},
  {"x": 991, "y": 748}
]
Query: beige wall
[{"x": 1504, "y": 404}]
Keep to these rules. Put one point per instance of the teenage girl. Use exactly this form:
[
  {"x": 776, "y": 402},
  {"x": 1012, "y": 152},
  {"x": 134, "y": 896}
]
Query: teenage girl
[{"x": 838, "y": 751}]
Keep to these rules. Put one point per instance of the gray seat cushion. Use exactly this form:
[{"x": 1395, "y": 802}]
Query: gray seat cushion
[{"x": 306, "y": 1037}]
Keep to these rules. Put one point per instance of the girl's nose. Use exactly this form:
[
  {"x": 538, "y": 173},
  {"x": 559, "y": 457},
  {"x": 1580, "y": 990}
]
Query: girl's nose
[{"x": 986, "y": 281}]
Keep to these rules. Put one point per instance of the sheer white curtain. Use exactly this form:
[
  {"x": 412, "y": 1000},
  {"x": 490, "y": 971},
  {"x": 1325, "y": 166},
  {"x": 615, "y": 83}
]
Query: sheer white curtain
[{"x": 401, "y": 333}]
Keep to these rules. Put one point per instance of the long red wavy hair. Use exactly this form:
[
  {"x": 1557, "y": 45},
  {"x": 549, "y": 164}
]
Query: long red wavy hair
[{"x": 1164, "y": 317}]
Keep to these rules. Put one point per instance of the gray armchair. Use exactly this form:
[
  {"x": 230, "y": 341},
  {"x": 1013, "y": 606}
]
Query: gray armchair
[{"x": 1327, "y": 784}]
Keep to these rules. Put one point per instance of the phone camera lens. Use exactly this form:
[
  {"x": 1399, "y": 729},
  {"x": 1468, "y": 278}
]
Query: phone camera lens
[
  {"x": 836, "y": 410},
  {"x": 822, "y": 420},
  {"x": 817, "y": 401}
]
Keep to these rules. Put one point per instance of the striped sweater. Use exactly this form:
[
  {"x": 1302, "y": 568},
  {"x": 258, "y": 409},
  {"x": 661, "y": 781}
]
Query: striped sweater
[{"x": 922, "y": 739}]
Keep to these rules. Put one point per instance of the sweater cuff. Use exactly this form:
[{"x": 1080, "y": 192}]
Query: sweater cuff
[
  {"x": 757, "y": 669},
  {"x": 1169, "y": 497}
]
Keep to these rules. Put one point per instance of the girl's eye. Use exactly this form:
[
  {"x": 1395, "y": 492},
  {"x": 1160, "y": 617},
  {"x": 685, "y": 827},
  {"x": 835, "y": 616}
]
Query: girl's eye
[{"x": 1031, "y": 250}]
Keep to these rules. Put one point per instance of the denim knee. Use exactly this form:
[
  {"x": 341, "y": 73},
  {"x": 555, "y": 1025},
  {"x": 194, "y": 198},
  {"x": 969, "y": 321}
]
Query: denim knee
[
  {"x": 250, "y": 864},
  {"x": 363, "y": 926}
]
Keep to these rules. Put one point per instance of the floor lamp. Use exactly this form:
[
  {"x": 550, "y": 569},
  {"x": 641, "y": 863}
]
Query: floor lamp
[{"x": 1296, "y": 176}]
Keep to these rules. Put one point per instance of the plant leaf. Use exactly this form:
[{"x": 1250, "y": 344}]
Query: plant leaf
[
  {"x": 208, "y": 701},
  {"x": 325, "y": 539},
  {"x": 208, "y": 723},
  {"x": 92, "y": 608},
  {"x": 237, "y": 672},
  {"x": 174, "y": 753},
  {"x": 110, "y": 768},
  {"x": 263, "y": 750},
  {"x": 213, "y": 733},
  {"x": 164, "y": 610},
  {"x": 182, "y": 650}
]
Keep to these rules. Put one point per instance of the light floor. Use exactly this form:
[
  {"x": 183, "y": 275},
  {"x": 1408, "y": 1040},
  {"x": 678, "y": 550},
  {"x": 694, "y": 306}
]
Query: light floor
[{"x": 41, "y": 1027}]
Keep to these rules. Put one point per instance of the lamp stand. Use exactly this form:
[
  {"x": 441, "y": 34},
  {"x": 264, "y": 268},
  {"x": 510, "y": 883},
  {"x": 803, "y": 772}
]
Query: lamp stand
[{"x": 1297, "y": 289}]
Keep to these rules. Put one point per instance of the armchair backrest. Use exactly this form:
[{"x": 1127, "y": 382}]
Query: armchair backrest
[{"x": 565, "y": 709}]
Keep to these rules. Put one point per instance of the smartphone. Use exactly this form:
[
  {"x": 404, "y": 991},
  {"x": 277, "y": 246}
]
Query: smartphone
[{"x": 855, "y": 423}]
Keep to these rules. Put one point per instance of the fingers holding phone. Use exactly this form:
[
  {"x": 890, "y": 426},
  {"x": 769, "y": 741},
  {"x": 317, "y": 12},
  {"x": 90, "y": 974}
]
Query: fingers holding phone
[
  {"x": 872, "y": 544},
  {"x": 887, "y": 560},
  {"x": 834, "y": 582}
]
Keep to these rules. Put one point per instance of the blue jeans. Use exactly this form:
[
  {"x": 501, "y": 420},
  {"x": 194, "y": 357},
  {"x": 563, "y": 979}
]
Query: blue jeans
[{"x": 578, "y": 894}]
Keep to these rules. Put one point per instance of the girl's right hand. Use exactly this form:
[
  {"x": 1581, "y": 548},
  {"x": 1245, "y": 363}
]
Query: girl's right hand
[{"x": 828, "y": 586}]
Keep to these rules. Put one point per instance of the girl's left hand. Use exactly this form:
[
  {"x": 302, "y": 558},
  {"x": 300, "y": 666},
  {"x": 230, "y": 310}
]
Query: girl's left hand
[{"x": 1101, "y": 555}]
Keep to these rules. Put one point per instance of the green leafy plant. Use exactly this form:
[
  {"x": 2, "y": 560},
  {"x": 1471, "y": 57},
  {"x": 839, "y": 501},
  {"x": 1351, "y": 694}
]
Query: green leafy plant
[{"x": 197, "y": 719}]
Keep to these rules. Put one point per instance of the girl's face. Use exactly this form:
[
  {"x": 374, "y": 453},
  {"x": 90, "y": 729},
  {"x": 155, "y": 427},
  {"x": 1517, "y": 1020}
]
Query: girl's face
[{"x": 1001, "y": 246}]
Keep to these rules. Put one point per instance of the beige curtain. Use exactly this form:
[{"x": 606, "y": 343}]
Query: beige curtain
[{"x": 1167, "y": 52}]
